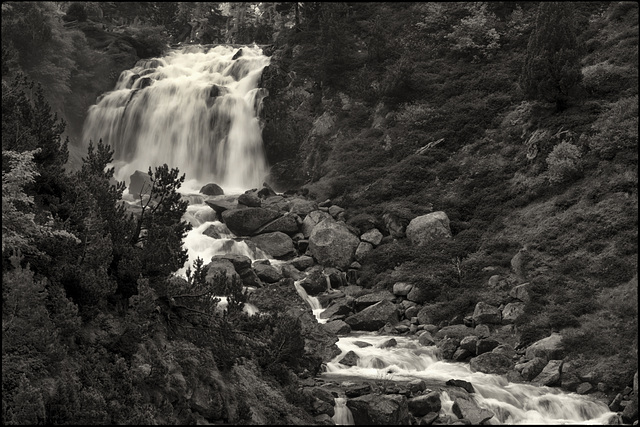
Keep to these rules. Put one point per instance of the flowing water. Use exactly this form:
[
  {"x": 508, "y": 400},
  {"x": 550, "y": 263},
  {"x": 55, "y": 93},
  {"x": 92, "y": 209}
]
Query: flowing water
[{"x": 197, "y": 109}]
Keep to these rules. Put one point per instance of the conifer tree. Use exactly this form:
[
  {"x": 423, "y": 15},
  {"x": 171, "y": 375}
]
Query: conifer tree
[{"x": 552, "y": 65}]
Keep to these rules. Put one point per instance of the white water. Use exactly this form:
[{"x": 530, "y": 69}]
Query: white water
[
  {"x": 510, "y": 402},
  {"x": 342, "y": 415},
  {"x": 176, "y": 121}
]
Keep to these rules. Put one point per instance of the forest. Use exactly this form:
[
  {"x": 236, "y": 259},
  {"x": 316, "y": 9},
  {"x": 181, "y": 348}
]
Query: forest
[{"x": 517, "y": 119}]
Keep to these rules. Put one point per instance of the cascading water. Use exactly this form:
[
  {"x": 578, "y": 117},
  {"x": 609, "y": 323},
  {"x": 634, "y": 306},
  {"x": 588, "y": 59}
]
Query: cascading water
[{"x": 195, "y": 109}]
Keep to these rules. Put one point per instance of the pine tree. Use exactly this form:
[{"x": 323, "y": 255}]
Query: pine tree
[{"x": 552, "y": 65}]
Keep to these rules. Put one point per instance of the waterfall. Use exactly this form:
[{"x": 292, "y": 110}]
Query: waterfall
[
  {"x": 313, "y": 302},
  {"x": 342, "y": 414},
  {"x": 195, "y": 109}
]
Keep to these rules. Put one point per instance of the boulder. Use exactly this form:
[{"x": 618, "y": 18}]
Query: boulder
[
  {"x": 395, "y": 225},
  {"x": 391, "y": 342},
  {"x": 505, "y": 349},
  {"x": 267, "y": 273},
  {"x": 402, "y": 288},
  {"x": 302, "y": 262},
  {"x": 357, "y": 390},
  {"x": 511, "y": 312},
  {"x": 469, "y": 343},
  {"x": 486, "y": 345},
  {"x": 416, "y": 386},
  {"x": 212, "y": 189},
  {"x": 428, "y": 419},
  {"x": 485, "y": 313},
  {"x": 374, "y": 317},
  {"x": 448, "y": 347},
  {"x": 482, "y": 331},
  {"x": 250, "y": 200},
  {"x": 242, "y": 265},
  {"x": 285, "y": 224},
  {"x": 425, "y": 228},
  {"x": 221, "y": 269},
  {"x": 332, "y": 244},
  {"x": 336, "y": 309},
  {"x": 350, "y": 359},
  {"x": 466, "y": 385},
  {"x": 220, "y": 206},
  {"x": 302, "y": 207},
  {"x": 139, "y": 183},
  {"x": 491, "y": 363},
  {"x": 337, "y": 327},
  {"x": 420, "y": 406},
  {"x": 367, "y": 300},
  {"x": 335, "y": 210},
  {"x": 550, "y": 374},
  {"x": 311, "y": 220},
  {"x": 379, "y": 409},
  {"x": 454, "y": 331},
  {"x": 362, "y": 250},
  {"x": 244, "y": 222},
  {"x": 426, "y": 339},
  {"x": 462, "y": 355},
  {"x": 468, "y": 409},
  {"x": 276, "y": 244},
  {"x": 372, "y": 236},
  {"x": 277, "y": 203},
  {"x": 532, "y": 368},
  {"x": 630, "y": 412},
  {"x": 521, "y": 292},
  {"x": 550, "y": 348},
  {"x": 418, "y": 294},
  {"x": 584, "y": 388}
]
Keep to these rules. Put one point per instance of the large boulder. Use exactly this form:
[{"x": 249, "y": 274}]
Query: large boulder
[
  {"x": 511, "y": 312},
  {"x": 420, "y": 406},
  {"x": 367, "y": 300},
  {"x": 531, "y": 369},
  {"x": 337, "y": 327},
  {"x": 380, "y": 409},
  {"x": 242, "y": 265},
  {"x": 311, "y": 220},
  {"x": 332, "y": 244},
  {"x": 425, "y": 228},
  {"x": 276, "y": 244},
  {"x": 485, "y": 313},
  {"x": 267, "y": 273},
  {"x": 339, "y": 308},
  {"x": 467, "y": 408},
  {"x": 221, "y": 269},
  {"x": 303, "y": 207},
  {"x": 220, "y": 205},
  {"x": 139, "y": 183},
  {"x": 454, "y": 331},
  {"x": 212, "y": 189},
  {"x": 521, "y": 292},
  {"x": 491, "y": 363},
  {"x": 550, "y": 375},
  {"x": 550, "y": 348},
  {"x": 286, "y": 224},
  {"x": 374, "y": 317},
  {"x": 249, "y": 199},
  {"x": 244, "y": 222}
]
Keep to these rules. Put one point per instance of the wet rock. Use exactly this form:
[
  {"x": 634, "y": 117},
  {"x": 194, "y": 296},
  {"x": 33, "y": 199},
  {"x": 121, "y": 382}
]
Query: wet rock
[
  {"x": 388, "y": 343},
  {"x": 532, "y": 368},
  {"x": 374, "y": 409},
  {"x": 350, "y": 359},
  {"x": 584, "y": 388},
  {"x": 276, "y": 244},
  {"x": 469, "y": 343},
  {"x": 485, "y": 313},
  {"x": 416, "y": 386},
  {"x": 212, "y": 189},
  {"x": 221, "y": 269},
  {"x": 630, "y": 412},
  {"x": 368, "y": 300},
  {"x": 462, "y": 384},
  {"x": 462, "y": 355},
  {"x": 267, "y": 273},
  {"x": 337, "y": 327},
  {"x": 244, "y": 222},
  {"x": 302, "y": 262},
  {"x": 491, "y": 363},
  {"x": 486, "y": 345},
  {"x": 448, "y": 347},
  {"x": 332, "y": 244},
  {"x": 466, "y": 408},
  {"x": 454, "y": 331},
  {"x": 250, "y": 200},
  {"x": 425, "y": 228},
  {"x": 426, "y": 339},
  {"x": 420, "y": 406},
  {"x": 362, "y": 344},
  {"x": 374, "y": 317},
  {"x": 357, "y": 390},
  {"x": 336, "y": 309},
  {"x": 550, "y": 375},
  {"x": 428, "y": 419}
]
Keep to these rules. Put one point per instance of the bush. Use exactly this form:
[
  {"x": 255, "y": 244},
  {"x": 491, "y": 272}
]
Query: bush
[
  {"x": 563, "y": 162},
  {"x": 76, "y": 12}
]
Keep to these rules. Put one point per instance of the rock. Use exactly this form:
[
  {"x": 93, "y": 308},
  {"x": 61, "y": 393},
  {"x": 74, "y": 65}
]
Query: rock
[
  {"x": 311, "y": 220},
  {"x": 286, "y": 224},
  {"x": 242, "y": 265},
  {"x": 428, "y": 419},
  {"x": 337, "y": 327},
  {"x": 550, "y": 348},
  {"x": 412, "y": 313},
  {"x": 250, "y": 200},
  {"x": 368, "y": 300},
  {"x": 420, "y": 406},
  {"x": 532, "y": 368},
  {"x": 337, "y": 309},
  {"x": 212, "y": 231},
  {"x": 374, "y": 317},
  {"x": 467, "y": 408},
  {"x": 302, "y": 262},
  {"x": 388, "y": 343},
  {"x": 267, "y": 273},
  {"x": 372, "y": 236},
  {"x": 462, "y": 355},
  {"x": 220, "y": 206},
  {"x": 425, "y": 228},
  {"x": 491, "y": 363},
  {"x": 630, "y": 412},
  {"x": 357, "y": 390},
  {"x": 374, "y": 409},
  {"x": 362, "y": 250},
  {"x": 303, "y": 207},
  {"x": 584, "y": 388},
  {"x": 289, "y": 271},
  {"x": 463, "y": 384},
  {"x": 401, "y": 288},
  {"x": 332, "y": 244},
  {"x": 212, "y": 189},
  {"x": 426, "y": 339},
  {"x": 334, "y": 211},
  {"x": 511, "y": 312},
  {"x": 614, "y": 406},
  {"x": 550, "y": 375},
  {"x": 416, "y": 386},
  {"x": 418, "y": 294},
  {"x": 505, "y": 349},
  {"x": 454, "y": 331},
  {"x": 486, "y": 345},
  {"x": 276, "y": 244},
  {"x": 469, "y": 343},
  {"x": 395, "y": 225},
  {"x": 139, "y": 183},
  {"x": 521, "y": 292},
  {"x": 277, "y": 203},
  {"x": 266, "y": 191},
  {"x": 350, "y": 359},
  {"x": 362, "y": 344},
  {"x": 448, "y": 347},
  {"x": 485, "y": 313},
  {"x": 244, "y": 222},
  {"x": 482, "y": 331},
  {"x": 221, "y": 269}
]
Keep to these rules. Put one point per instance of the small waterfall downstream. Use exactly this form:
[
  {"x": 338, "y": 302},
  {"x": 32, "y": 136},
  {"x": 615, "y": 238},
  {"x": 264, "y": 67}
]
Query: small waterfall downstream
[{"x": 195, "y": 109}]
